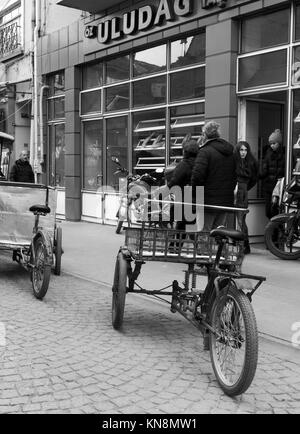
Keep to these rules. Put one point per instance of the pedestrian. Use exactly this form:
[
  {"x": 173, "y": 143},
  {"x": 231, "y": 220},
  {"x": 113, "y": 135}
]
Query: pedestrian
[
  {"x": 247, "y": 177},
  {"x": 181, "y": 178},
  {"x": 215, "y": 170},
  {"x": 22, "y": 170},
  {"x": 273, "y": 169}
]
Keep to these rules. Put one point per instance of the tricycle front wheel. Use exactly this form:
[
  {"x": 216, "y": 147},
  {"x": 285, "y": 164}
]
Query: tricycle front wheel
[
  {"x": 119, "y": 292},
  {"x": 41, "y": 272},
  {"x": 234, "y": 347}
]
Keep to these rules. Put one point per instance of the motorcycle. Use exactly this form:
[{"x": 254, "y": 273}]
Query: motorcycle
[
  {"x": 135, "y": 204},
  {"x": 282, "y": 235}
]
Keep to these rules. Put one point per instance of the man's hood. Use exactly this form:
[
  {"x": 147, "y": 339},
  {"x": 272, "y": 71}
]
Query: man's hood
[{"x": 221, "y": 146}]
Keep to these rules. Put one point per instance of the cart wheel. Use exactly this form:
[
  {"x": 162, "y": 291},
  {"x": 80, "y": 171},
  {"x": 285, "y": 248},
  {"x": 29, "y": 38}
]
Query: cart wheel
[
  {"x": 40, "y": 275},
  {"x": 234, "y": 351},
  {"x": 119, "y": 292},
  {"x": 58, "y": 251}
]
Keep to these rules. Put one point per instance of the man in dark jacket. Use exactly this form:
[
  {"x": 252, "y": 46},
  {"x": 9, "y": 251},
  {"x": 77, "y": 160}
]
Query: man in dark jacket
[
  {"x": 22, "y": 170},
  {"x": 215, "y": 170},
  {"x": 181, "y": 177}
]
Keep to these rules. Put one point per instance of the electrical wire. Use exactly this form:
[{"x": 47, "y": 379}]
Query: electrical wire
[{"x": 13, "y": 114}]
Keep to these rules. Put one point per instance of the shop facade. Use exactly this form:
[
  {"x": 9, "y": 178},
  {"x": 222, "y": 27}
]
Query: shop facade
[{"x": 136, "y": 80}]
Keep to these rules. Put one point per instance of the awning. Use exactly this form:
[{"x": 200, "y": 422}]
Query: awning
[{"x": 92, "y": 6}]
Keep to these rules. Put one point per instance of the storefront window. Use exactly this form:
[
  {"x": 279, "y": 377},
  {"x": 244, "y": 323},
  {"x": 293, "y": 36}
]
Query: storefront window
[
  {"x": 117, "y": 98},
  {"x": 188, "y": 84},
  {"x": 57, "y": 163},
  {"x": 150, "y": 91},
  {"x": 188, "y": 51},
  {"x": 92, "y": 76},
  {"x": 56, "y": 83},
  {"x": 91, "y": 102},
  {"x": 296, "y": 129},
  {"x": 153, "y": 60},
  {"x": 117, "y": 140},
  {"x": 265, "y": 31},
  {"x": 56, "y": 108},
  {"x": 186, "y": 124},
  {"x": 297, "y": 23},
  {"x": 93, "y": 155},
  {"x": 118, "y": 70},
  {"x": 149, "y": 140},
  {"x": 263, "y": 70}
]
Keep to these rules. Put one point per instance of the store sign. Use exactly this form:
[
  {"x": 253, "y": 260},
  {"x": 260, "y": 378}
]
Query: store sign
[
  {"x": 141, "y": 19},
  {"x": 207, "y": 4}
]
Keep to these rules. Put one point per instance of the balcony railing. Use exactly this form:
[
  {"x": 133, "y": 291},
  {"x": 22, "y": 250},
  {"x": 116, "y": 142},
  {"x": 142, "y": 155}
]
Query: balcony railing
[{"x": 10, "y": 37}]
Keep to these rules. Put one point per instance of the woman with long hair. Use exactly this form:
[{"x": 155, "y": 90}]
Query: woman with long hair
[{"x": 247, "y": 176}]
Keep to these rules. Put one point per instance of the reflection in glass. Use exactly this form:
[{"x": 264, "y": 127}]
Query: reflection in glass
[
  {"x": 188, "y": 84},
  {"x": 186, "y": 124},
  {"x": 263, "y": 70},
  {"x": 93, "y": 145},
  {"x": 150, "y": 61},
  {"x": 92, "y": 76},
  {"x": 265, "y": 31},
  {"x": 117, "y": 146},
  {"x": 296, "y": 128},
  {"x": 56, "y": 83},
  {"x": 56, "y": 107},
  {"x": 91, "y": 102},
  {"x": 188, "y": 51},
  {"x": 150, "y": 91},
  {"x": 117, "y": 98},
  {"x": 149, "y": 140},
  {"x": 57, "y": 164},
  {"x": 118, "y": 70}
]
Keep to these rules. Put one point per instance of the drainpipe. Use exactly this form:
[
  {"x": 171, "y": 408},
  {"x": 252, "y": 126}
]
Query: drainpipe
[
  {"x": 42, "y": 123},
  {"x": 37, "y": 168},
  {"x": 32, "y": 155}
]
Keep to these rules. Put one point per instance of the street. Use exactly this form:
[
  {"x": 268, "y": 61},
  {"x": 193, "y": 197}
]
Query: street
[{"x": 63, "y": 356}]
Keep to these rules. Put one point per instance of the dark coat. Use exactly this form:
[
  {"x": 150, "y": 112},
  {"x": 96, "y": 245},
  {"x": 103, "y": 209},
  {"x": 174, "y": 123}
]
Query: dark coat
[
  {"x": 22, "y": 172},
  {"x": 215, "y": 170},
  {"x": 182, "y": 173},
  {"x": 273, "y": 168},
  {"x": 247, "y": 172}
]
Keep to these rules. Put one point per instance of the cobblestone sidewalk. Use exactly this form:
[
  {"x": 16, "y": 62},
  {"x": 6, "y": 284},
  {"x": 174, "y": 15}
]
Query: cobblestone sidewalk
[{"x": 62, "y": 356}]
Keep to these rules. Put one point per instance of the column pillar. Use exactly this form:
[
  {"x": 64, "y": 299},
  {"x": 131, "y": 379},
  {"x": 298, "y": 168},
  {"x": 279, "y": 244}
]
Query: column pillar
[
  {"x": 221, "y": 61},
  {"x": 73, "y": 145}
]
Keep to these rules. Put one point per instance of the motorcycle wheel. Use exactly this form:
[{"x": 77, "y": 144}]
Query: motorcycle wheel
[{"x": 283, "y": 240}]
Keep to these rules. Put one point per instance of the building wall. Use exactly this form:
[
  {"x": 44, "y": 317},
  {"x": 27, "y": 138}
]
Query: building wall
[{"x": 66, "y": 48}]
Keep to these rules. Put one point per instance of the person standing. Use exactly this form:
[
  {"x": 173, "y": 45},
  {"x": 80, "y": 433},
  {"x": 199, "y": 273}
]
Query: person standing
[
  {"x": 22, "y": 170},
  {"x": 181, "y": 177},
  {"x": 247, "y": 177},
  {"x": 215, "y": 170},
  {"x": 273, "y": 169}
]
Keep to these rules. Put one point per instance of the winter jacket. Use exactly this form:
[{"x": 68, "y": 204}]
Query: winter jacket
[
  {"x": 247, "y": 172},
  {"x": 273, "y": 168},
  {"x": 182, "y": 173},
  {"x": 22, "y": 172},
  {"x": 215, "y": 170}
]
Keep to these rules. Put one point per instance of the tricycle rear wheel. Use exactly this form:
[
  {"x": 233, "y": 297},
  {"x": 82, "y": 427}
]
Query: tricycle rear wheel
[
  {"x": 119, "y": 292},
  {"x": 41, "y": 272},
  {"x": 58, "y": 251}
]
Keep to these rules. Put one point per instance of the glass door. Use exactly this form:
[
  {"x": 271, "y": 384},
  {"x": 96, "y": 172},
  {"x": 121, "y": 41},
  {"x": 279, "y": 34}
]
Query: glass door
[
  {"x": 117, "y": 146},
  {"x": 57, "y": 155}
]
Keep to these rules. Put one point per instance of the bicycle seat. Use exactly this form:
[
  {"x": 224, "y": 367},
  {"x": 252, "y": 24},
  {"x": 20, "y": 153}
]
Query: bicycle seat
[
  {"x": 40, "y": 209},
  {"x": 227, "y": 233}
]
